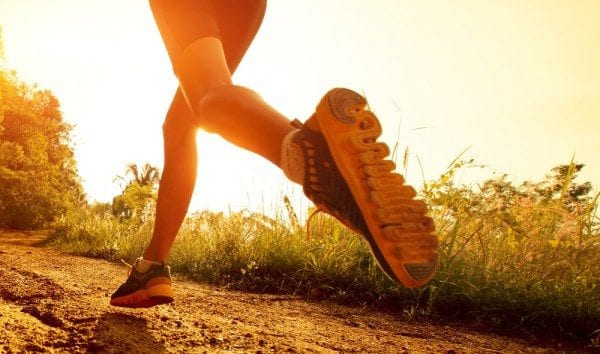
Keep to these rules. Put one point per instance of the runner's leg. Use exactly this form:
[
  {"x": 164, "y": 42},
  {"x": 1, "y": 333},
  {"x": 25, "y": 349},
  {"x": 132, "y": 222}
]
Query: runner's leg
[
  {"x": 208, "y": 99},
  {"x": 177, "y": 181},
  {"x": 236, "y": 113}
]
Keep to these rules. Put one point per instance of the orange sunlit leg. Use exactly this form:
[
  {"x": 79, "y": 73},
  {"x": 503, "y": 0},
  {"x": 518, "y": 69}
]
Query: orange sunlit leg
[
  {"x": 178, "y": 179},
  {"x": 236, "y": 113}
]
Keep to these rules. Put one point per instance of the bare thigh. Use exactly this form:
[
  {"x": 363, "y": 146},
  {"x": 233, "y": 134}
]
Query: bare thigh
[{"x": 234, "y": 22}]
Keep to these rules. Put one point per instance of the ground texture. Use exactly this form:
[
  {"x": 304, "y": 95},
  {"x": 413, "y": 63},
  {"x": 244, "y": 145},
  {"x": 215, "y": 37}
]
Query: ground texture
[{"x": 55, "y": 302}]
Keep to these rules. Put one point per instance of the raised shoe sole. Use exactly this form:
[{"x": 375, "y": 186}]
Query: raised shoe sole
[{"x": 401, "y": 235}]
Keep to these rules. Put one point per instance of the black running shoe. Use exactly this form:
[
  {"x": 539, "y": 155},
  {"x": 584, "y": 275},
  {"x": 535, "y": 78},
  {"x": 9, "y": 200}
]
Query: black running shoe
[{"x": 146, "y": 289}]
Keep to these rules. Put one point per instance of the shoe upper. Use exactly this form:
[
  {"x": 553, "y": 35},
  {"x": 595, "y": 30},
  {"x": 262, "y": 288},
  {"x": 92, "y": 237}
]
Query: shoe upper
[
  {"x": 138, "y": 280},
  {"x": 347, "y": 175},
  {"x": 323, "y": 182}
]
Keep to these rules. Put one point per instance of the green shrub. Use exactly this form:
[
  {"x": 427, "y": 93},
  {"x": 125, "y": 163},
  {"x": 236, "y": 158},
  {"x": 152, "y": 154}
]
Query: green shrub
[
  {"x": 38, "y": 177},
  {"x": 510, "y": 255}
]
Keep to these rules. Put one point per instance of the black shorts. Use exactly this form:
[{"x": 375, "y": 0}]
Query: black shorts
[{"x": 234, "y": 22}]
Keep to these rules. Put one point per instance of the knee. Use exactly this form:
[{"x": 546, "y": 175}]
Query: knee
[
  {"x": 222, "y": 97},
  {"x": 221, "y": 103},
  {"x": 178, "y": 125}
]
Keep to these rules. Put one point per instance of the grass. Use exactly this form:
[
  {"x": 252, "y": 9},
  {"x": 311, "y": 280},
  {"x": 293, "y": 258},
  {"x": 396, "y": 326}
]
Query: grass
[
  {"x": 524, "y": 255},
  {"x": 511, "y": 256}
]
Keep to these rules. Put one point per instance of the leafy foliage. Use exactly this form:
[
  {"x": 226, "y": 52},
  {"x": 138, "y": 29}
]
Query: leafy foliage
[
  {"x": 38, "y": 175},
  {"x": 139, "y": 192},
  {"x": 512, "y": 256},
  {"x": 523, "y": 254}
]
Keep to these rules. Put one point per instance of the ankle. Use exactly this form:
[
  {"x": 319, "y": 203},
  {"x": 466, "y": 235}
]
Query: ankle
[
  {"x": 143, "y": 265},
  {"x": 292, "y": 158}
]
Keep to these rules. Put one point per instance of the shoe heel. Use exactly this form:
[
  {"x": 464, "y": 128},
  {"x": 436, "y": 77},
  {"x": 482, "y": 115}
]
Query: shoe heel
[
  {"x": 344, "y": 104},
  {"x": 160, "y": 290}
]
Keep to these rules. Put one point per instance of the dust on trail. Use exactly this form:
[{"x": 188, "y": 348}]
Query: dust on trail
[{"x": 55, "y": 302}]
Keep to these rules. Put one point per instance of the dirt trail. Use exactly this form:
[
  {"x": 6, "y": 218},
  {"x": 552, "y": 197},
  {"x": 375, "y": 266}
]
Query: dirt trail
[{"x": 55, "y": 302}]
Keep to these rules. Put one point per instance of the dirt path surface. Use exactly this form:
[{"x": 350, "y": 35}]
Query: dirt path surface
[{"x": 55, "y": 302}]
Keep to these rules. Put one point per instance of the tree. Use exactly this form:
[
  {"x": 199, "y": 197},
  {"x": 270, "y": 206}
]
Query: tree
[
  {"x": 139, "y": 191},
  {"x": 147, "y": 175},
  {"x": 38, "y": 175}
]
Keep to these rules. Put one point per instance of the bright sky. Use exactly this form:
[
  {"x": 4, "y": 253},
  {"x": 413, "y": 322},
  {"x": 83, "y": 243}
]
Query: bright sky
[{"x": 516, "y": 81}]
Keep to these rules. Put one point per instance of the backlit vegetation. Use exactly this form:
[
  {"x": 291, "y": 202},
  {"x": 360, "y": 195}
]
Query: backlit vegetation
[
  {"x": 515, "y": 256},
  {"x": 38, "y": 176}
]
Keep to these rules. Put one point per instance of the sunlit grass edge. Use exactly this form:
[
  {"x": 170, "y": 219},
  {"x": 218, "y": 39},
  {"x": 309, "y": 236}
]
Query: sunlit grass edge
[{"x": 515, "y": 256}]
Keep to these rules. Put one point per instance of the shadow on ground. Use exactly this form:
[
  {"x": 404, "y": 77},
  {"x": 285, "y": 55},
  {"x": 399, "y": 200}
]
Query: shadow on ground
[{"x": 123, "y": 333}]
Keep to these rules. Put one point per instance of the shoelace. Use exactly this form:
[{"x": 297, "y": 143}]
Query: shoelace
[{"x": 131, "y": 267}]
